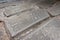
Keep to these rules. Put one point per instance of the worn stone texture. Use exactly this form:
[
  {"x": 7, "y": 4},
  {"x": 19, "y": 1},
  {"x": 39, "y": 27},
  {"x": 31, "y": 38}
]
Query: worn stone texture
[
  {"x": 3, "y": 5},
  {"x": 2, "y": 1},
  {"x": 10, "y": 0},
  {"x": 21, "y": 17},
  {"x": 3, "y": 34},
  {"x": 1, "y": 15},
  {"x": 13, "y": 9},
  {"x": 23, "y": 20},
  {"x": 51, "y": 31},
  {"x": 55, "y": 9},
  {"x": 1, "y": 12},
  {"x": 42, "y": 3},
  {"x": 31, "y": 29}
]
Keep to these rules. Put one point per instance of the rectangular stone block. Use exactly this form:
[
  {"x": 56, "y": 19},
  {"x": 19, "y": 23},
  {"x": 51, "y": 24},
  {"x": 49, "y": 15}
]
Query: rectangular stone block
[
  {"x": 22, "y": 21},
  {"x": 55, "y": 9},
  {"x": 51, "y": 31},
  {"x": 17, "y": 7}
]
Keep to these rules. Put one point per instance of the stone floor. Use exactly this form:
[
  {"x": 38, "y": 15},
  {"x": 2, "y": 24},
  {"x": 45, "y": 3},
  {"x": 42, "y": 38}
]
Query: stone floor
[{"x": 30, "y": 21}]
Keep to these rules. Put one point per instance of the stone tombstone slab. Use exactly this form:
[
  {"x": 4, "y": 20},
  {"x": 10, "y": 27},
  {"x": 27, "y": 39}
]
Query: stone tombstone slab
[
  {"x": 51, "y": 31},
  {"x": 23, "y": 20},
  {"x": 55, "y": 9},
  {"x": 17, "y": 7}
]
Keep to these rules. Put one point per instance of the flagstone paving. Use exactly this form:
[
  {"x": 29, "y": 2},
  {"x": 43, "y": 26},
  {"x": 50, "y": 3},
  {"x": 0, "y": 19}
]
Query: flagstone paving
[{"x": 30, "y": 21}]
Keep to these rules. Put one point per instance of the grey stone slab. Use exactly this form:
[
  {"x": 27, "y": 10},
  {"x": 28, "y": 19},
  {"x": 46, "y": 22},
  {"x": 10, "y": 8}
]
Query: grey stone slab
[
  {"x": 55, "y": 9},
  {"x": 42, "y": 3},
  {"x": 22, "y": 21},
  {"x": 45, "y": 3},
  {"x": 35, "y": 1},
  {"x": 7, "y": 4},
  {"x": 10, "y": 0},
  {"x": 51, "y": 31},
  {"x": 1, "y": 1},
  {"x": 17, "y": 7}
]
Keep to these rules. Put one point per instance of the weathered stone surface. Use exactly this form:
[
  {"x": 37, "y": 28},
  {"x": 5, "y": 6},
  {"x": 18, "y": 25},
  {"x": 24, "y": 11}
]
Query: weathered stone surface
[
  {"x": 3, "y": 34},
  {"x": 13, "y": 9},
  {"x": 55, "y": 9},
  {"x": 1, "y": 12},
  {"x": 42, "y": 3},
  {"x": 1, "y": 1},
  {"x": 1, "y": 15},
  {"x": 3, "y": 5},
  {"x": 23, "y": 20},
  {"x": 10, "y": 0},
  {"x": 51, "y": 31},
  {"x": 45, "y": 3}
]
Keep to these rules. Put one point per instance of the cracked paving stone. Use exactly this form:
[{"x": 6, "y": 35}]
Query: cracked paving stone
[
  {"x": 51, "y": 31},
  {"x": 55, "y": 9},
  {"x": 3, "y": 34},
  {"x": 22, "y": 21},
  {"x": 13, "y": 9}
]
